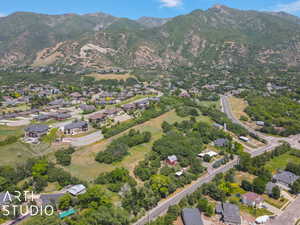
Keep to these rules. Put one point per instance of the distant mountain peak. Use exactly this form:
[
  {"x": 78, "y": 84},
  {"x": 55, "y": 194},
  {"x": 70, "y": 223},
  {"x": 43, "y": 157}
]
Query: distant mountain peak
[{"x": 220, "y": 6}]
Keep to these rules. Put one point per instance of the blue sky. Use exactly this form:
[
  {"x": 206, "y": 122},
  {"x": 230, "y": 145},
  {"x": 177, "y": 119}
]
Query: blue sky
[{"x": 137, "y": 8}]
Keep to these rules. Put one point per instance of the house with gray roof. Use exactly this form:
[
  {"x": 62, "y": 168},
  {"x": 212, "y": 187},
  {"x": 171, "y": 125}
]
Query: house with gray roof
[
  {"x": 269, "y": 187},
  {"x": 191, "y": 217},
  {"x": 230, "y": 213},
  {"x": 36, "y": 130},
  {"x": 221, "y": 142},
  {"x": 87, "y": 108},
  {"x": 285, "y": 178},
  {"x": 76, "y": 127},
  {"x": 50, "y": 199}
]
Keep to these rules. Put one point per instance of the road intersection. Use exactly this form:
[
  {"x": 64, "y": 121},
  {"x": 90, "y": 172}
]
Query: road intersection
[{"x": 272, "y": 142}]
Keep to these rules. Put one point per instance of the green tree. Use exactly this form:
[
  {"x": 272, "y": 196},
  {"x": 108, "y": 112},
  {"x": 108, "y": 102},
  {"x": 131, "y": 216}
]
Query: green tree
[
  {"x": 65, "y": 202},
  {"x": 275, "y": 192}
]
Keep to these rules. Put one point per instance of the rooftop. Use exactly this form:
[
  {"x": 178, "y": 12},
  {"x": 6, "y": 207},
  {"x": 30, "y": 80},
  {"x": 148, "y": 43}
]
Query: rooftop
[{"x": 192, "y": 217}]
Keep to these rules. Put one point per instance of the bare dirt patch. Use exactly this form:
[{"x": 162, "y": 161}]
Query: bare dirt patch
[{"x": 113, "y": 76}]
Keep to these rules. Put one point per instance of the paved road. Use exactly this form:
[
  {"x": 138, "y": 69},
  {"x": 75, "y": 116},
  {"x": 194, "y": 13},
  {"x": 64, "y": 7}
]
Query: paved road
[
  {"x": 85, "y": 140},
  {"x": 293, "y": 140},
  {"x": 289, "y": 216},
  {"x": 162, "y": 207},
  {"x": 273, "y": 142}
]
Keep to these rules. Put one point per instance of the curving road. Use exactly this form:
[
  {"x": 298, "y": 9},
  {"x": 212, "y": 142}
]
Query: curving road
[{"x": 293, "y": 140}]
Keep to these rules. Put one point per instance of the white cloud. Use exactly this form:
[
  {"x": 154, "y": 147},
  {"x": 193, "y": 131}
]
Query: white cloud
[
  {"x": 291, "y": 7},
  {"x": 2, "y": 15},
  {"x": 171, "y": 3}
]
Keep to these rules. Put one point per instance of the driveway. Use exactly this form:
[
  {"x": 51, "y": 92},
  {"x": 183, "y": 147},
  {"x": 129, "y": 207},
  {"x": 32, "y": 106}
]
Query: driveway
[
  {"x": 289, "y": 216},
  {"x": 271, "y": 208},
  {"x": 85, "y": 140}
]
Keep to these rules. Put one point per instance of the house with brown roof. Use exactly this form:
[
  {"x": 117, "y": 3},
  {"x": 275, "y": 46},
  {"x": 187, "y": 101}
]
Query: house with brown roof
[
  {"x": 252, "y": 199},
  {"x": 97, "y": 118}
]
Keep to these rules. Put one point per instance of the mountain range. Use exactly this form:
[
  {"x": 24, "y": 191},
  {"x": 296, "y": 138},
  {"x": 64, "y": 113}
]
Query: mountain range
[{"x": 220, "y": 37}]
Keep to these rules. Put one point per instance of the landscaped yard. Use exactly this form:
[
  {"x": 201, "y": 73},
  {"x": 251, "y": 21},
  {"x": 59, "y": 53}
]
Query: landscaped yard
[
  {"x": 280, "y": 162},
  {"x": 255, "y": 212},
  {"x": 85, "y": 167},
  {"x": 278, "y": 203}
]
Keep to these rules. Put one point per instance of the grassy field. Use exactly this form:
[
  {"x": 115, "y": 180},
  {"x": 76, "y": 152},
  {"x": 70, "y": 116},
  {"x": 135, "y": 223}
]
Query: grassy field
[
  {"x": 85, "y": 167},
  {"x": 98, "y": 76},
  {"x": 6, "y": 131},
  {"x": 280, "y": 162},
  {"x": 19, "y": 152},
  {"x": 238, "y": 106}
]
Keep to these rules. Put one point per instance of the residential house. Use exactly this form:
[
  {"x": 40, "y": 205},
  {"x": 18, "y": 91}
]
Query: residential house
[
  {"x": 172, "y": 160},
  {"x": 77, "y": 189},
  {"x": 230, "y": 213},
  {"x": 221, "y": 142},
  {"x": 252, "y": 199},
  {"x": 97, "y": 118},
  {"x": 75, "y": 127},
  {"x": 285, "y": 178},
  {"x": 87, "y": 108},
  {"x": 129, "y": 107},
  {"x": 61, "y": 116},
  {"x": 269, "y": 187},
  {"x": 42, "y": 117},
  {"x": 112, "y": 112},
  {"x": 36, "y": 130},
  {"x": 191, "y": 217},
  {"x": 50, "y": 199},
  {"x": 143, "y": 104},
  {"x": 57, "y": 102}
]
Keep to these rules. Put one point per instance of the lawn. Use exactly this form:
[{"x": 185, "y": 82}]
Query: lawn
[
  {"x": 110, "y": 76},
  {"x": 280, "y": 162},
  {"x": 278, "y": 203},
  {"x": 85, "y": 167},
  {"x": 254, "y": 211},
  {"x": 6, "y": 131}
]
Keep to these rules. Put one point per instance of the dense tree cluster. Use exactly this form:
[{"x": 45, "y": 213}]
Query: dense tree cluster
[
  {"x": 64, "y": 156},
  {"x": 116, "y": 179},
  {"x": 277, "y": 112},
  {"x": 221, "y": 118},
  {"x": 119, "y": 147}
]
